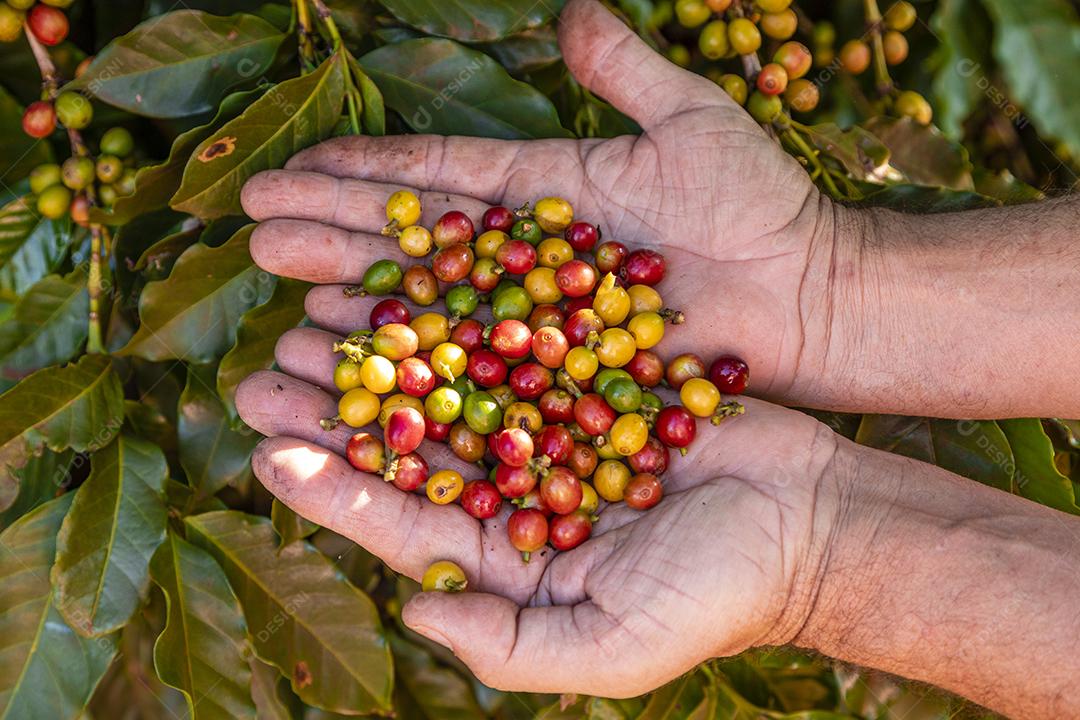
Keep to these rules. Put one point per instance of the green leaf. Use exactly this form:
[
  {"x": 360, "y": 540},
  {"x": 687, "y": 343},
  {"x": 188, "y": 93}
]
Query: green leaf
[
  {"x": 290, "y": 117},
  {"x": 442, "y": 87},
  {"x": 1005, "y": 188},
  {"x": 437, "y": 691},
  {"x": 923, "y": 199},
  {"x": 976, "y": 449},
  {"x": 49, "y": 326},
  {"x": 859, "y": 152},
  {"x": 31, "y": 247},
  {"x": 203, "y": 650},
  {"x": 304, "y": 615},
  {"x": 192, "y": 315},
  {"x": 19, "y": 153},
  {"x": 46, "y": 670},
  {"x": 1036, "y": 476},
  {"x": 256, "y": 336},
  {"x": 473, "y": 20},
  {"x": 212, "y": 454},
  {"x": 181, "y": 63},
  {"x": 156, "y": 262},
  {"x": 115, "y": 524},
  {"x": 923, "y": 154},
  {"x": 80, "y": 406},
  {"x": 963, "y": 62},
  {"x": 526, "y": 51},
  {"x": 273, "y": 698},
  {"x": 41, "y": 479},
  {"x": 373, "y": 112},
  {"x": 1037, "y": 45},
  {"x": 288, "y": 525},
  {"x": 156, "y": 184}
]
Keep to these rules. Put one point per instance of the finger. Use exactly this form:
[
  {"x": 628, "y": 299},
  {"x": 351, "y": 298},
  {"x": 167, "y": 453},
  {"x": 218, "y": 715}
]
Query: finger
[
  {"x": 403, "y": 529},
  {"x": 319, "y": 253},
  {"x": 608, "y": 58},
  {"x": 560, "y": 649},
  {"x": 328, "y": 306},
  {"x": 308, "y": 354},
  {"x": 347, "y": 203},
  {"x": 275, "y": 404},
  {"x": 488, "y": 169}
]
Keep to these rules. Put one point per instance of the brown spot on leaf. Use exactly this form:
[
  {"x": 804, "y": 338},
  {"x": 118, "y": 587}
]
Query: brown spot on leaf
[
  {"x": 219, "y": 148},
  {"x": 301, "y": 675}
]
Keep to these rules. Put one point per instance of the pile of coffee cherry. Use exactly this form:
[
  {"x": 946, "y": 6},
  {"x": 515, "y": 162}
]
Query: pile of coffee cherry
[{"x": 542, "y": 370}]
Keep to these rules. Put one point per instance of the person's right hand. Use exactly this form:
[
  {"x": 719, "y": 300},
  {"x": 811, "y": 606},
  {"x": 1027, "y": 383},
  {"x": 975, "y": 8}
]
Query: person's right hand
[
  {"x": 729, "y": 559},
  {"x": 748, "y": 239}
]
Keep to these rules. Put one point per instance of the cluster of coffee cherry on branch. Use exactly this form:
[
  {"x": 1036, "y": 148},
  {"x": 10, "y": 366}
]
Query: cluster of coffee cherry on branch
[{"x": 552, "y": 396}]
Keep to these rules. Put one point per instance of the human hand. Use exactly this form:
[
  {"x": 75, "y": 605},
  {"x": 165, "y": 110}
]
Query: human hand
[
  {"x": 728, "y": 560},
  {"x": 747, "y": 237}
]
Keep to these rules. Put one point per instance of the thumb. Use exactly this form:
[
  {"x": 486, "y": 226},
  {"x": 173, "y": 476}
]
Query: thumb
[
  {"x": 610, "y": 60},
  {"x": 534, "y": 649}
]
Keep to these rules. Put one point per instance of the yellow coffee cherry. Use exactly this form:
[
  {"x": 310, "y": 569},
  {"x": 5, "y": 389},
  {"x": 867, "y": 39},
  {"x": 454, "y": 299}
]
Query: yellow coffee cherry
[
  {"x": 449, "y": 361},
  {"x": 402, "y": 210},
  {"x": 644, "y": 299},
  {"x": 523, "y": 415},
  {"x": 610, "y": 480},
  {"x": 553, "y": 215},
  {"x": 444, "y": 487},
  {"x": 444, "y": 576},
  {"x": 378, "y": 374},
  {"x": 647, "y": 329},
  {"x": 358, "y": 407},
  {"x": 629, "y": 433},
  {"x": 347, "y": 375},
  {"x": 541, "y": 286},
  {"x": 431, "y": 329},
  {"x": 553, "y": 252},
  {"x": 616, "y": 348},
  {"x": 699, "y": 396},
  {"x": 611, "y": 302},
  {"x": 415, "y": 241},
  {"x": 488, "y": 243},
  {"x": 581, "y": 363}
]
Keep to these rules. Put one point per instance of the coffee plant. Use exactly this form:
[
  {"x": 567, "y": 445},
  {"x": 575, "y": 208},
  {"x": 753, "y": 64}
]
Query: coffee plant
[{"x": 144, "y": 572}]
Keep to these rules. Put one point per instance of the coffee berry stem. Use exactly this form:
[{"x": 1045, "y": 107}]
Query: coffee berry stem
[
  {"x": 726, "y": 410},
  {"x": 881, "y": 69},
  {"x": 50, "y": 82}
]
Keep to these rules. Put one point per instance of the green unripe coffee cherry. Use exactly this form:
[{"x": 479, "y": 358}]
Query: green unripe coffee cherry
[
  {"x": 713, "y": 40},
  {"x": 824, "y": 34},
  {"x": 126, "y": 184},
  {"x": 382, "y": 278},
  {"x": 744, "y": 36},
  {"x": 106, "y": 195},
  {"x": 692, "y": 13},
  {"x": 54, "y": 202},
  {"x": 734, "y": 86},
  {"x": 74, "y": 110},
  {"x": 11, "y": 23},
  {"x": 462, "y": 300},
  {"x": 117, "y": 141},
  {"x": 43, "y": 177},
  {"x": 900, "y": 16},
  {"x": 678, "y": 54},
  {"x": 764, "y": 108},
  {"x": 78, "y": 172},
  {"x": 913, "y": 105},
  {"x": 109, "y": 168},
  {"x": 513, "y": 303}
]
